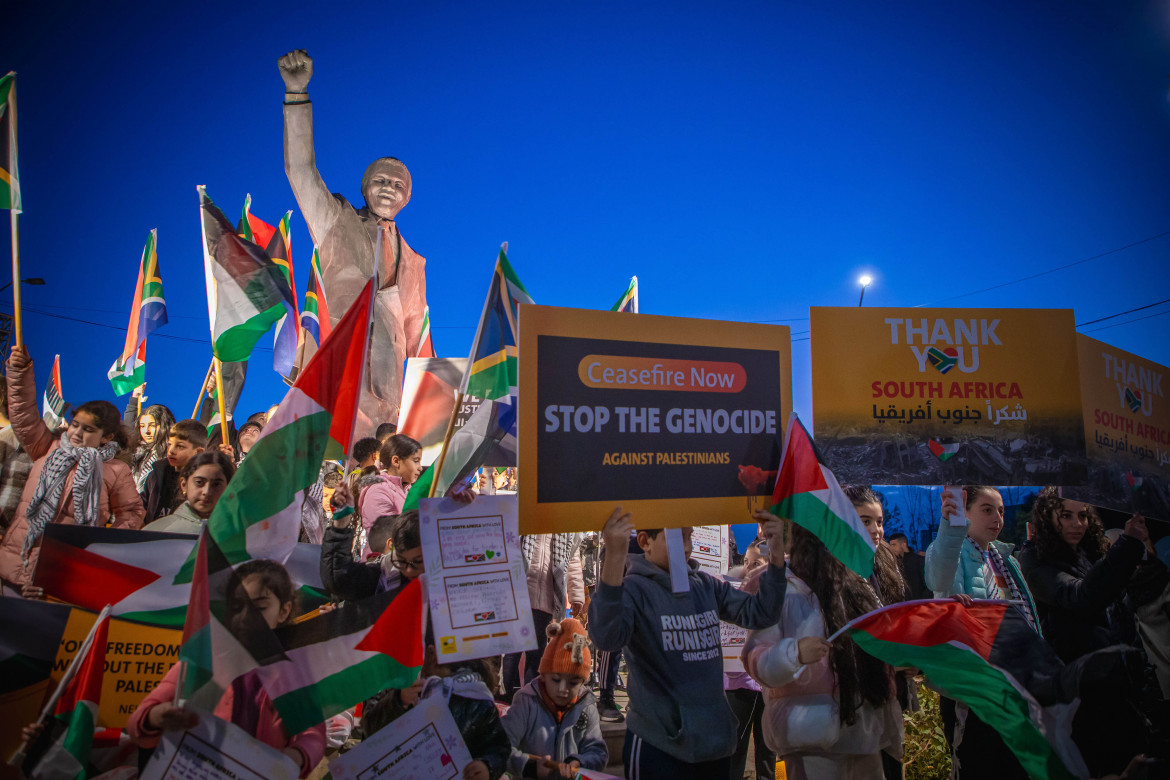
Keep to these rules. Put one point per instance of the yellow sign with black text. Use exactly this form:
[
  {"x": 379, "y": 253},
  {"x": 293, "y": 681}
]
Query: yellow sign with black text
[{"x": 677, "y": 420}]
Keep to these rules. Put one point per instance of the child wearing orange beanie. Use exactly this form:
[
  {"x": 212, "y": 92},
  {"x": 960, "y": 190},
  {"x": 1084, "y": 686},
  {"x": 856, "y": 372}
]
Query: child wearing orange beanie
[{"x": 554, "y": 715}]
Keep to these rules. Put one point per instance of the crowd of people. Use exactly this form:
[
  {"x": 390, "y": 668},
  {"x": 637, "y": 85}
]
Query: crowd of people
[{"x": 825, "y": 709}]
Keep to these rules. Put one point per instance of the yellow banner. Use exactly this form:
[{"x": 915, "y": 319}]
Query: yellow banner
[
  {"x": 925, "y": 396},
  {"x": 137, "y": 657},
  {"x": 677, "y": 420},
  {"x": 1127, "y": 429}
]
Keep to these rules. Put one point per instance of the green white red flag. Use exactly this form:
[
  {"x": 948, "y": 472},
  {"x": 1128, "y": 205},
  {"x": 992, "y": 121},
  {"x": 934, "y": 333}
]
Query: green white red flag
[
  {"x": 807, "y": 493},
  {"x": 342, "y": 657},
  {"x": 75, "y": 717},
  {"x": 259, "y": 515},
  {"x": 988, "y": 657}
]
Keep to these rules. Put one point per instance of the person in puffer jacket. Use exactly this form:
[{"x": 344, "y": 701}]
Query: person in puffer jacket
[
  {"x": 554, "y": 716},
  {"x": 830, "y": 710}
]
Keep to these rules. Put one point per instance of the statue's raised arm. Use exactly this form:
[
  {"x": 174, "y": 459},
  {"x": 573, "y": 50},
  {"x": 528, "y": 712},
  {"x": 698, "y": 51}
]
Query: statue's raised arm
[{"x": 347, "y": 239}]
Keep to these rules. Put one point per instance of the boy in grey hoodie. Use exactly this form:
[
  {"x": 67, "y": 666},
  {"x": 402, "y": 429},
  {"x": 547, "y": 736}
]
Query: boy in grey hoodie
[{"x": 679, "y": 724}]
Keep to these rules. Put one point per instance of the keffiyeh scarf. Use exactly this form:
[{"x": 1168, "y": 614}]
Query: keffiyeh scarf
[{"x": 87, "y": 487}]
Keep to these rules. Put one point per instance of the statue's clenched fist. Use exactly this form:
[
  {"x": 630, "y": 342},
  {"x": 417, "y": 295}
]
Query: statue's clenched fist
[{"x": 296, "y": 68}]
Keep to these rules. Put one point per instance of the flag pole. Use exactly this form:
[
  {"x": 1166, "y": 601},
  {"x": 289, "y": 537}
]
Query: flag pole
[
  {"x": 18, "y": 757},
  {"x": 223, "y": 424},
  {"x": 438, "y": 467},
  {"x": 13, "y": 213},
  {"x": 203, "y": 389}
]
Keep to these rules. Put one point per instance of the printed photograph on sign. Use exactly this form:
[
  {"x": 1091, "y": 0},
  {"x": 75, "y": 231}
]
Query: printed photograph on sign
[
  {"x": 947, "y": 396},
  {"x": 477, "y": 589},
  {"x": 1127, "y": 431},
  {"x": 675, "y": 419}
]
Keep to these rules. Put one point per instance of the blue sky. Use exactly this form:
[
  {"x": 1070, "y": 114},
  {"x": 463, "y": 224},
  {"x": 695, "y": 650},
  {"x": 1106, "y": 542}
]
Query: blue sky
[{"x": 746, "y": 160}]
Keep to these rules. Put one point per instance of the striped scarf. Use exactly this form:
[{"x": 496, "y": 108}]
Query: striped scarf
[
  {"x": 994, "y": 561},
  {"x": 87, "y": 485}
]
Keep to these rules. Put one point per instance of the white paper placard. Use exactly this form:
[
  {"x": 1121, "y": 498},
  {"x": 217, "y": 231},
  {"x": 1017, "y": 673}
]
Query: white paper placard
[
  {"x": 732, "y": 638},
  {"x": 710, "y": 546},
  {"x": 423, "y": 744},
  {"x": 476, "y": 586},
  {"x": 215, "y": 750},
  {"x": 960, "y": 519}
]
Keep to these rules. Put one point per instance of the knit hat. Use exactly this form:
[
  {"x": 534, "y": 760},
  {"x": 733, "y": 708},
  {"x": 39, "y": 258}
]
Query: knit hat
[{"x": 567, "y": 651}]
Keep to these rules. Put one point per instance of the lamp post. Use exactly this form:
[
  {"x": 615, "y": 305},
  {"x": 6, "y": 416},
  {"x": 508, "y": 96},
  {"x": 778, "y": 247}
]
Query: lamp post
[
  {"x": 35, "y": 281},
  {"x": 864, "y": 281}
]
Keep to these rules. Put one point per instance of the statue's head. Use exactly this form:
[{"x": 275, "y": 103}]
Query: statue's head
[{"x": 386, "y": 187}]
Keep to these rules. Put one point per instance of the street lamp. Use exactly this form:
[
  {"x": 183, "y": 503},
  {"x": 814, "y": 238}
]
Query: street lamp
[
  {"x": 35, "y": 281},
  {"x": 864, "y": 281}
]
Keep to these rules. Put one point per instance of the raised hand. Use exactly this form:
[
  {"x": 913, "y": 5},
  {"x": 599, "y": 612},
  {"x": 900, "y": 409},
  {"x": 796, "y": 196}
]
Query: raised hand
[{"x": 296, "y": 68}]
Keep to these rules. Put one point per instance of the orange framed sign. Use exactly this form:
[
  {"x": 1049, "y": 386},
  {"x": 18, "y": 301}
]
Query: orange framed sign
[{"x": 661, "y": 415}]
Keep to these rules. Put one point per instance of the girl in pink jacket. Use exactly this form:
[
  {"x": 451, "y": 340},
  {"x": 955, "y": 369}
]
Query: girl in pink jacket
[
  {"x": 401, "y": 457},
  {"x": 75, "y": 478},
  {"x": 245, "y": 703}
]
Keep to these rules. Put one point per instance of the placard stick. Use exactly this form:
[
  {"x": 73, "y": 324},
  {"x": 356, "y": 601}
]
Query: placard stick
[
  {"x": 203, "y": 389},
  {"x": 223, "y": 423}
]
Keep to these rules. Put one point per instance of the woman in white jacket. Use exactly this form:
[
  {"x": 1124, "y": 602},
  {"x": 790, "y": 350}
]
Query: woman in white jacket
[{"x": 830, "y": 710}]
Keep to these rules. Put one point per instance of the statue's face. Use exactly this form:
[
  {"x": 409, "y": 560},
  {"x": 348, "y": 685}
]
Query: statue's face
[{"x": 387, "y": 190}]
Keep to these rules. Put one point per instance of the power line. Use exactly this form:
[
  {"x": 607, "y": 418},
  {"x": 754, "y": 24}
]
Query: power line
[
  {"x": 1120, "y": 314},
  {"x": 1049, "y": 271},
  {"x": 1129, "y": 322}
]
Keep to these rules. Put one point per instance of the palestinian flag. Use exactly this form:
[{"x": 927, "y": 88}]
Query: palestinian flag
[
  {"x": 944, "y": 452},
  {"x": 53, "y": 406},
  {"x": 808, "y": 494},
  {"x": 491, "y": 371},
  {"x": 246, "y": 291},
  {"x": 284, "y": 347},
  {"x": 224, "y": 636},
  {"x": 342, "y": 657},
  {"x": 629, "y": 300},
  {"x": 9, "y": 178},
  {"x": 420, "y": 489},
  {"x": 426, "y": 345},
  {"x": 135, "y": 571},
  {"x": 429, "y": 392},
  {"x": 251, "y": 228},
  {"x": 76, "y": 714},
  {"x": 259, "y": 515},
  {"x": 148, "y": 313},
  {"x": 989, "y": 658}
]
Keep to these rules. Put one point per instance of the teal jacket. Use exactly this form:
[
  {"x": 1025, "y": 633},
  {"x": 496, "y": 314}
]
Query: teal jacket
[{"x": 954, "y": 567}]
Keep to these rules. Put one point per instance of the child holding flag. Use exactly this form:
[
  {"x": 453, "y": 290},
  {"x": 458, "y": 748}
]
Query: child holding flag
[
  {"x": 246, "y": 704},
  {"x": 75, "y": 478}
]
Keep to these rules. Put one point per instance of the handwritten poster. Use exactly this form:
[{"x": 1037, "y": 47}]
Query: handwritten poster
[
  {"x": 671, "y": 418},
  {"x": 1127, "y": 430},
  {"x": 477, "y": 588},
  {"x": 423, "y": 744},
  {"x": 947, "y": 396},
  {"x": 216, "y": 750},
  {"x": 732, "y": 639},
  {"x": 710, "y": 546}
]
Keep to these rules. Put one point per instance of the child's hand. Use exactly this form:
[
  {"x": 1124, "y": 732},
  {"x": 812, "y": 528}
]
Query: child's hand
[
  {"x": 19, "y": 360},
  {"x": 476, "y": 770},
  {"x": 464, "y": 494},
  {"x": 30, "y": 591},
  {"x": 949, "y": 507},
  {"x": 167, "y": 717},
  {"x": 964, "y": 599},
  {"x": 32, "y": 732},
  {"x": 410, "y": 695},
  {"x": 226, "y": 449},
  {"x": 137, "y": 392},
  {"x": 550, "y": 768},
  {"x": 775, "y": 531},
  {"x": 341, "y": 497},
  {"x": 810, "y": 649},
  {"x": 617, "y": 529}
]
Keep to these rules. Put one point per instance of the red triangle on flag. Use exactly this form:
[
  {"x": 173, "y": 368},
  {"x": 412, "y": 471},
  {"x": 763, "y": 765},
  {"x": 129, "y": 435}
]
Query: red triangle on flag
[
  {"x": 68, "y": 573},
  {"x": 800, "y": 468},
  {"x": 391, "y": 635}
]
